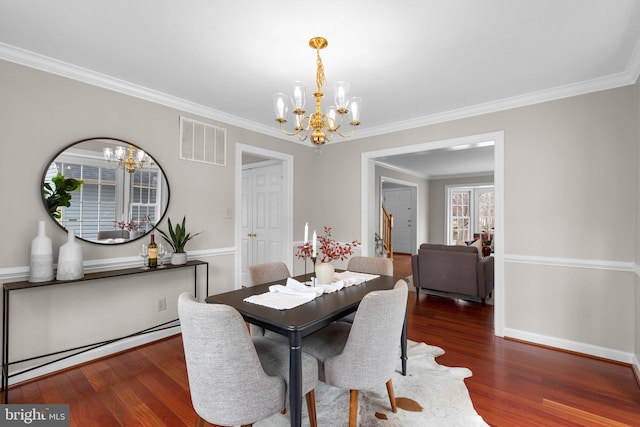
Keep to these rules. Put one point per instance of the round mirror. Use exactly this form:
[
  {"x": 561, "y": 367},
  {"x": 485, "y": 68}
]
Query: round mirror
[{"x": 106, "y": 190}]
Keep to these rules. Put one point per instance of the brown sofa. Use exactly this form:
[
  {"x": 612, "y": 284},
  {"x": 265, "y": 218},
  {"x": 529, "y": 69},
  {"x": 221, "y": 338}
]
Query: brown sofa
[{"x": 452, "y": 269}]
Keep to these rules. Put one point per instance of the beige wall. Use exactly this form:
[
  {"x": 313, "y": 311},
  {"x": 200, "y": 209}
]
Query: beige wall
[{"x": 570, "y": 182}]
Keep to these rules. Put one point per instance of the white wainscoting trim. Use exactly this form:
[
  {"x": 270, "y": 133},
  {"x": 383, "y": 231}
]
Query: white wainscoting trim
[
  {"x": 573, "y": 262},
  {"x": 567, "y": 344},
  {"x": 579, "y": 347},
  {"x": 15, "y": 274},
  {"x": 95, "y": 354}
]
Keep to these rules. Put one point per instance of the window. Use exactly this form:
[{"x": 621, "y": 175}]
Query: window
[
  {"x": 470, "y": 210},
  {"x": 99, "y": 203}
]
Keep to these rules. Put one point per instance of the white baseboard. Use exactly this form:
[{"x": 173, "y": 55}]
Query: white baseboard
[
  {"x": 578, "y": 347},
  {"x": 636, "y": 368},
  {"x": 97, "y": 353}
]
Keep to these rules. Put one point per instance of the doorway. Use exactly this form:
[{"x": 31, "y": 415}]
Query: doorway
[
  {"x": 264, "y": 208},
  {"x": 400, "y": 200},
  {"x": 368, "y": 204}
]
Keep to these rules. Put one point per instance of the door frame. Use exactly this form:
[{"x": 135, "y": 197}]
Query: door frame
[
  {"x": 368, "y": 190},
  {"x": 287, "y": 203},
  {"x": 413, "y": 244}
]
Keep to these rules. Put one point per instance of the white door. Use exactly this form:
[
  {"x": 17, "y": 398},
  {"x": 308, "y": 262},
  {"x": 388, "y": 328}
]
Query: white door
[
  {"x": 261, "y": 217},
  {"x": 399, "y": 203}
]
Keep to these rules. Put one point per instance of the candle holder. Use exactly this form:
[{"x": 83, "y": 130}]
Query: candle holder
[
  {"x": 313, "y": 279},
  {"x": 305, "y": 268}
]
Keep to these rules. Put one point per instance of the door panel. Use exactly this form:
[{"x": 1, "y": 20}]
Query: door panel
[
  {"x": 261, "y": 217},
  {"x": 398, "y": 203}
]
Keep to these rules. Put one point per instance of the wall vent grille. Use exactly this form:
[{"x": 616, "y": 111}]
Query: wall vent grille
[{"x": 202, "y": 142}]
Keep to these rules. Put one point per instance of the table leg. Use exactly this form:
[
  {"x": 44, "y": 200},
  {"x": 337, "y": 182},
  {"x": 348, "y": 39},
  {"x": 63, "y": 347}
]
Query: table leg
[
  {"x": 295, "y": 378},
  {"x": 403, "y": 345}
]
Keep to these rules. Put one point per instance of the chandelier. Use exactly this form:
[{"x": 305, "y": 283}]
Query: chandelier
[
  {"x": 118, "y": 158},
  {"x": 320, "y": 126}
]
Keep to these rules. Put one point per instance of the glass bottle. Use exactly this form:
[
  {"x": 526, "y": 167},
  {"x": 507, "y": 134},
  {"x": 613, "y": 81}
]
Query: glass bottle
[{"x": 153, "y": 252}]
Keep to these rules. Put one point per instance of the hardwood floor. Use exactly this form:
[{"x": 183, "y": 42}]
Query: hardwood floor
[{"x": 513, "y": 383}]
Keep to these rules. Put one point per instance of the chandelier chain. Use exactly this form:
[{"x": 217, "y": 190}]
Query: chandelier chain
[{"x": 320, "y": 78}]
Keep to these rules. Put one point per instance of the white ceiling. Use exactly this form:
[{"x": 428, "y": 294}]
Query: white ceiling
[{"x": 413, "y": 62}]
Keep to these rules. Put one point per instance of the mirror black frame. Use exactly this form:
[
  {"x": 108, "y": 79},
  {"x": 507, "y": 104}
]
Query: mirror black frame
[{"x": 115, "y": 141}]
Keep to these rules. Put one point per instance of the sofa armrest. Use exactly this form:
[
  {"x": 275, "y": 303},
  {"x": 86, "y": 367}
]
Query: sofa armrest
[{"x": 485, "y": 276}]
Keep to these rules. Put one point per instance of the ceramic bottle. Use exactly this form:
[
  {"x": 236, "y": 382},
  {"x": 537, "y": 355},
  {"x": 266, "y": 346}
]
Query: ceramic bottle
[
  {"x": 41, "y": 263},
  {"x": 70, "y": 259}
]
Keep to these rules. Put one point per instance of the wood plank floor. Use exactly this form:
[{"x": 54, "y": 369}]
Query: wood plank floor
[{"x": 513, "y": 383}]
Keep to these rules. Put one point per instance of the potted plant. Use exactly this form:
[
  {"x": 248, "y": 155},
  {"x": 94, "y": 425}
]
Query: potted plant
[
  {"x": 177, "y": 238},
  {"x": 61, "y": 194}
]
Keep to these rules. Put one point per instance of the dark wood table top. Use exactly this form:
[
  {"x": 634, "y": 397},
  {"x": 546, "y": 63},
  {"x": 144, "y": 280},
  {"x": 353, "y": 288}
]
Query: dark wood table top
[{"x": 306, "y": 318}]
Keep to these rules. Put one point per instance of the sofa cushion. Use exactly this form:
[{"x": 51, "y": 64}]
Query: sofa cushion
[{"x": 478, "y": 245}]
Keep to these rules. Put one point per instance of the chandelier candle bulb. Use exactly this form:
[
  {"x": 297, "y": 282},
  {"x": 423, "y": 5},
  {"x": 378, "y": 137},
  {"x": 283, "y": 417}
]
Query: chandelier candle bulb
[
  {"x": 306, "y": 233},
  {"x": 299, "y": 97},
  {"x": 341, "y": 93}
]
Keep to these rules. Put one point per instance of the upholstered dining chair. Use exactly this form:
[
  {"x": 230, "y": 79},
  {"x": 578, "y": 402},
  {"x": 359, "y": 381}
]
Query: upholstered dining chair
[
  {"x": 235, "y": 379},
  {"x": 371, "y": 265},
  {"x": 364, "y": 354},
  {"x": 268, "y": 272},
  {"x": 265, "y": 273}
]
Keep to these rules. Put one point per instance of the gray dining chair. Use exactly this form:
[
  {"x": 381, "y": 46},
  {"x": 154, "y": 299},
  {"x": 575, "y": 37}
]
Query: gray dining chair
[
  {"x": 266, "y": 273},
  {"x": 371, "y": 265},
  {"x": 364, "y": 354},
  {"x": 235, "y": 379}
]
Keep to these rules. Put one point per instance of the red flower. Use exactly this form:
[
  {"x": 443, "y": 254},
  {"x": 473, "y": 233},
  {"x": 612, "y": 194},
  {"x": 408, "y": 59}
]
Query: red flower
[{"x": 328, "y": 248}]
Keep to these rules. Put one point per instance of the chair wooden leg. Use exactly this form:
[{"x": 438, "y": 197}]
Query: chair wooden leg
[
  {"x": 311, "y": 408},
  {"x": 353, "y": 408},
  {"x": 392, "y": 396}
]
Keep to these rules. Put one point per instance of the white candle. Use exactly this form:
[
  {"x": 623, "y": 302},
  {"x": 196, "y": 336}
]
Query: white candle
[
  {"x": 306, "y": 233},
  {"x": 314, "y": 244}
]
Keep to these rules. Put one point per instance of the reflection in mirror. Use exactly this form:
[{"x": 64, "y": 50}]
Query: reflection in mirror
[{"x": 122, "y": 195}]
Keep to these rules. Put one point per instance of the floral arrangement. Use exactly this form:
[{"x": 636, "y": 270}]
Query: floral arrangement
[
  {"x": 132, "y": 225},
  {"x": 329, "y": 248}
]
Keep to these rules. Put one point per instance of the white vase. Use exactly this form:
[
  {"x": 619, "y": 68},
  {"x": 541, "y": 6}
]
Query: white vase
[
  {"x": 179, "y": 258},
  {"x": 70, "y": 259},
  {"x": 324, "y": 273},
  {"x": 41, "y": 264}
]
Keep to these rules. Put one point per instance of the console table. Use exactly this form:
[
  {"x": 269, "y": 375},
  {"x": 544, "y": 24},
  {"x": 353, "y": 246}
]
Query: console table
[{"x": 16, "y": 286}]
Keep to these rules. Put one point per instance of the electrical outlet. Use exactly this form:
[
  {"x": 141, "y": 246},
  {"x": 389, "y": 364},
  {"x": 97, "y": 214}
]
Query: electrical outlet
[{"x": 162, "y": 303}]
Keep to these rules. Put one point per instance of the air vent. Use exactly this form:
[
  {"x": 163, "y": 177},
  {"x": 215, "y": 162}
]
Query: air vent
[{"x": 202, "y": 142}]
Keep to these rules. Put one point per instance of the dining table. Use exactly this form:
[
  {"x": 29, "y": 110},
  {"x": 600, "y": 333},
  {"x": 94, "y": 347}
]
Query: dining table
[{"x": 297, "y": 322}]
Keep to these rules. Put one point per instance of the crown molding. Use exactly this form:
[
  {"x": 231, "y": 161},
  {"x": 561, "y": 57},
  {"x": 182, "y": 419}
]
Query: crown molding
[
  {"x": 582, "y": 88},
  {"x": 64, "y": 69},
  {"x": 74, "y": 72}
]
